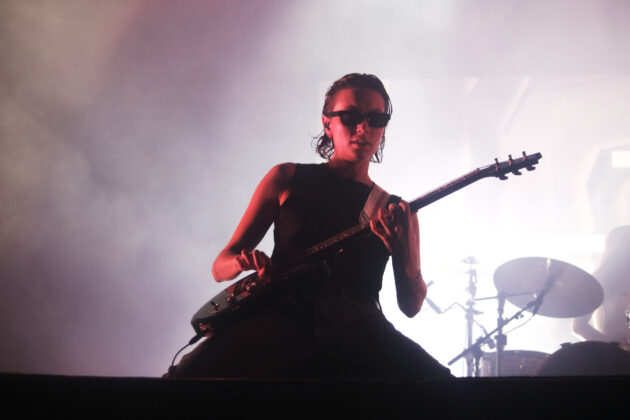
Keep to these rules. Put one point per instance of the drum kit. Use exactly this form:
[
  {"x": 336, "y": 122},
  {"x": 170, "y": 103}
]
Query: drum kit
[{"x": 546, "y": 287}]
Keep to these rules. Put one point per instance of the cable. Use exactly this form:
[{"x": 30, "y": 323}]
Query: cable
[
  {"x": 519, "y": 326},
  {"x": 191, "y": 342}
]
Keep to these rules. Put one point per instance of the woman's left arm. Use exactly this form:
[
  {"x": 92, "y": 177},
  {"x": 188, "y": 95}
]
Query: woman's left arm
[{"x": 398, "y": 229}]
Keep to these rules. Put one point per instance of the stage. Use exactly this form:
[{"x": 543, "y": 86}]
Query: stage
[{"x": 507, "y": 397}]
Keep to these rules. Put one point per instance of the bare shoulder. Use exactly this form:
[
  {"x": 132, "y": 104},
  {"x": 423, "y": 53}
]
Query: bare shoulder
[
  {"x": 280, "y": 180},
  {"x": 275, "y": 186},
  {"x": 283, "y": 171},
  {"x": 279, "y": 177}
]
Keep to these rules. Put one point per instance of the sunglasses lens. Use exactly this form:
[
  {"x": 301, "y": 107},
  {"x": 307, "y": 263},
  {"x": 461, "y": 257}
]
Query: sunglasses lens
[
  {"x": 351, "y": 118},
  {"x": 378, "y": 119},
  {"x": 374, "y": 119}
]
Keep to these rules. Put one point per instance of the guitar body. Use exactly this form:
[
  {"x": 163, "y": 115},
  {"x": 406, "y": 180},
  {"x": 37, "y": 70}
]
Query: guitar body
[
  {"x": 226, "y": 308},
  {"x": 212, "y": 315}
]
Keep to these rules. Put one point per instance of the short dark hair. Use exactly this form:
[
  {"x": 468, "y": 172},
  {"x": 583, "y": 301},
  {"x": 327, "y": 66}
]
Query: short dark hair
[{"x": 324, "y": 146}]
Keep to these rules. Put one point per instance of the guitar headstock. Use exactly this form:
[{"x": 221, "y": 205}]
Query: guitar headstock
[{"x": 513, "y": 166}]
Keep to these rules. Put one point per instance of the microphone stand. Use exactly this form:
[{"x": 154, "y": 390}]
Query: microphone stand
[
  {"x": 501, "y": 339},
  {"x": 477, "y": 345},
  {"x": 431, "y": 303}
]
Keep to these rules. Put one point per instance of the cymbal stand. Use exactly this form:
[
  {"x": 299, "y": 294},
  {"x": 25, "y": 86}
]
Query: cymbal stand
[
  {"x": 472, "y": 359},
  {"x": 501, "y": 339},
  {"x": 488, "y": 337}
]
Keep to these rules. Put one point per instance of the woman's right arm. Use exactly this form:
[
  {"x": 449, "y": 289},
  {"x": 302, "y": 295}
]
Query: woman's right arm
[{"x": 240, "y": 254}]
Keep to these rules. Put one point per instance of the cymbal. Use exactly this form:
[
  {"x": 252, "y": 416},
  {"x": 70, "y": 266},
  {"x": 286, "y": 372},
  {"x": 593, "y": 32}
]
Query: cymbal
[{"x": 572, "y": 292}]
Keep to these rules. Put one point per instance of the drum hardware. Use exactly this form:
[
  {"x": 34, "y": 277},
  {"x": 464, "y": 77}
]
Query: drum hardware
[
  {"x": 474, "y": 353},
  {"x": 472, "y": 360},
  {"x": 514, "y": 363},
  {"x": 569, "y": 292},
  {"x": 587, "y": 358},
  {"x": 431, "y": 303},
  {"x": 500, "y": 338},
  {"x": 547, "y": 287},
  {"x": 535, "y": 304},
  {"x": 541, "y": 286}
]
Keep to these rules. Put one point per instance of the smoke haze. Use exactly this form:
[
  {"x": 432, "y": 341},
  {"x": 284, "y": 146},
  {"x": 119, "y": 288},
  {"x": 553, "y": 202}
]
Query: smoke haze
[{"x": 133, "y": 133}]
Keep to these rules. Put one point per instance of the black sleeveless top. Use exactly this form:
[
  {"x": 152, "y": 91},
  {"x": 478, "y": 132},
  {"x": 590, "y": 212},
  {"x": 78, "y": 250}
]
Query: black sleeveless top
[{"x": 321, "y": 205}]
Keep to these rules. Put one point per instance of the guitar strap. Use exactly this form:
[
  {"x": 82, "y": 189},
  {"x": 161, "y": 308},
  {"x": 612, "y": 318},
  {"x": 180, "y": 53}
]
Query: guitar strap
[{"x": 377, "y": 199}]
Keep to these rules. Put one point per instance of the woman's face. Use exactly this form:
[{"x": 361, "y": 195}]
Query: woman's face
[{"x": 359, "y": 141}]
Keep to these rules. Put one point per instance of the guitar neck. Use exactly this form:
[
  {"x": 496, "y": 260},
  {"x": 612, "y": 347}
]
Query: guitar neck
[
  {"x": 444, "y": 190},
  {"x": 498, "y": 169}
]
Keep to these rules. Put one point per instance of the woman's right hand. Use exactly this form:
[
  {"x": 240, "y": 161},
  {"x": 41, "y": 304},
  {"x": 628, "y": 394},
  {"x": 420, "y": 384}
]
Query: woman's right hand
[
  {"x": 263, "y": 208},
  {"x": 254, "y": 260}
]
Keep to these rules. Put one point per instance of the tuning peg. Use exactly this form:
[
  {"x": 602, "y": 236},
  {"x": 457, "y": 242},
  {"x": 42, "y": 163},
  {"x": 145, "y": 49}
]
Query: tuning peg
[
  {"x": 528, "y": 167},
  {"x": 497, "y": 168},
  {"x": 515, "y": 172}
]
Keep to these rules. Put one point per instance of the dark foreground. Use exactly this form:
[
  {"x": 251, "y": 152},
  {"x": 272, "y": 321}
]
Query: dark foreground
[{"x": 487, "y": 398}]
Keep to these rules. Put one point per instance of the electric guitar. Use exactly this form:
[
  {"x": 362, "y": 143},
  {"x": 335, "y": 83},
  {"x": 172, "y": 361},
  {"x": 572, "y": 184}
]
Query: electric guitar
[{"x": 223, "y": 309}]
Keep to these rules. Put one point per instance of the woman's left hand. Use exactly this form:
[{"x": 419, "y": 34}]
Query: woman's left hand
[
  {"x": 398, "y": 229},
  {"x": 392, "y": 226}
]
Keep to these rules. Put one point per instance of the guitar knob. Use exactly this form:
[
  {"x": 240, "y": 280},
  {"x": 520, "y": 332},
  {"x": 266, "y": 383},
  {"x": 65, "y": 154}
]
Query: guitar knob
[{"x": 230, "y": 298}]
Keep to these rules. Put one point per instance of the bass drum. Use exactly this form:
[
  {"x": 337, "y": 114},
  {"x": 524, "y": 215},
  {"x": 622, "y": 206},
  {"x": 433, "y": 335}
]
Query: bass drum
[
  {"x": 515, "y": 363},
  {"x": 587, "y": 358}
]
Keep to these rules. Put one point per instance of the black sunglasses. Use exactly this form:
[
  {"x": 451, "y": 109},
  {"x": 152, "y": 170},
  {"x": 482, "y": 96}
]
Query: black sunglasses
[{"x": 353, "y": 117}]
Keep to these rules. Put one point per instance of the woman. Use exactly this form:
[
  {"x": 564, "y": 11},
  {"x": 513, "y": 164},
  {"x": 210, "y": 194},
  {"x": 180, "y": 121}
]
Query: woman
[{"x": 328, "y": 323}]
